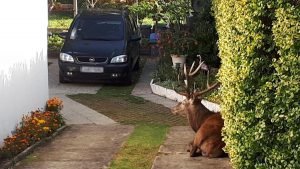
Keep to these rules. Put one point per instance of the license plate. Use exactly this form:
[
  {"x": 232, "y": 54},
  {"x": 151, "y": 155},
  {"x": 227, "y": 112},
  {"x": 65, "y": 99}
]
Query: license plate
[{"x": 86, "y": 69}]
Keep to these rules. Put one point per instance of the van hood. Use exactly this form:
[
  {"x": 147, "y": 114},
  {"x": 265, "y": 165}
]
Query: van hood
[{"x": 94, "y": 48}]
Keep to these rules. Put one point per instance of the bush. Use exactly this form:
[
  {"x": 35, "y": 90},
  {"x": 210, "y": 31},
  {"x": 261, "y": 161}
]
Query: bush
[
  {"x": 55, "y": 43},
  {"x": 204, "y": 31},
  {"x": 260, "y": 75},
  {"x": 164, "y": 71},
  {"x": 143, "y": 9},
  {"x": 60, "y": 20}
]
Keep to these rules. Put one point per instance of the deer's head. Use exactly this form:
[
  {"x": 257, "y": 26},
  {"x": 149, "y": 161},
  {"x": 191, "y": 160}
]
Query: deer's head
[{"x": 192, "y": 103}]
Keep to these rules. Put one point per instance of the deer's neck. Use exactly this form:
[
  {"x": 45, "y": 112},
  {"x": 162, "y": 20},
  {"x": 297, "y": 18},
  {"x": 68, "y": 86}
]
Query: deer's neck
[{"x": 197, "y": 115}]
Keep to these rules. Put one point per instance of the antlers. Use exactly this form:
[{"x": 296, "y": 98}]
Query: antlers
[{"x": 191, "y": 74}]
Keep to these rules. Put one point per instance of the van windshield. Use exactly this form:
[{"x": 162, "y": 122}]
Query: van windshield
[{"x": 97, "y": 29}]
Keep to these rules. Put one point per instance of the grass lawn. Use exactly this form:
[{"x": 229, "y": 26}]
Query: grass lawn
[
  {"x": 151, "y": 123},
  {"x": 141, "y": 147},
  {"x": 60, "y": 20}
]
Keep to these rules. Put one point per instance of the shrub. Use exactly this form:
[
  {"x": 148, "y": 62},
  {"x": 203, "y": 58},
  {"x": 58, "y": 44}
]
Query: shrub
[
  {"x": 60, "y": 20},
  {"x": 204, "y": 32},
  {"x": 175, "y": 12},
  {"x": 260, "y": 75},
  {"x": 55, "y": 43},
  {"x": 164, "y": 71},
  {"x": 32, "y": 128},
  {"x": 202, "y": 25},
  {"x": 142, "y": 9}
]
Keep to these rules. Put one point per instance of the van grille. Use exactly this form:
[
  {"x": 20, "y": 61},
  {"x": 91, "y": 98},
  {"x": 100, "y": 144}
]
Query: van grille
[{"x": 90, "y": 59}]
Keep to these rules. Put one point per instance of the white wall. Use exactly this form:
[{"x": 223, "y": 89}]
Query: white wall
[{"x": 23, "y": 60}]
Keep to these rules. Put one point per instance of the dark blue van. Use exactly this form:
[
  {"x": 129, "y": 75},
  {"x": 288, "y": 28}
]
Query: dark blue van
[{"x": 100, "y": 45}]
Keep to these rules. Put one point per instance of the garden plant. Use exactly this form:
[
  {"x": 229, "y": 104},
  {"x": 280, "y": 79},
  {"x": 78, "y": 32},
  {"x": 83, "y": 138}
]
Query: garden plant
[
  {"x": 33, "y": 127},
  {"x": 259, "y": 45}
]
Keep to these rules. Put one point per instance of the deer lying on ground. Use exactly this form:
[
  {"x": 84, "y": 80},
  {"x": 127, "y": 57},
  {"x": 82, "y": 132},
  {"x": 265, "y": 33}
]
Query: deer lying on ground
[{"x": 206, "y": 124}]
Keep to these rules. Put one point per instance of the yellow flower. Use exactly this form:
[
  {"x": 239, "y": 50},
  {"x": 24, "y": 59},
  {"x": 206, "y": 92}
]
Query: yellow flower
[
  {"x": 42, "y": 121},
  {"x": 46, "y": 128}
]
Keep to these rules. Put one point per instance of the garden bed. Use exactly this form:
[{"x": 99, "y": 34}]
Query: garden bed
[
  {"x": 172, "y": 95},
  {"x": 8, "y": 163}
]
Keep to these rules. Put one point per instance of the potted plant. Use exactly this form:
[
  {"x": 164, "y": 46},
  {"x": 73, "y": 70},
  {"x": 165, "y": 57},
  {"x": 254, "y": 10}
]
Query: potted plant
[{"x": 178, "y": 44}]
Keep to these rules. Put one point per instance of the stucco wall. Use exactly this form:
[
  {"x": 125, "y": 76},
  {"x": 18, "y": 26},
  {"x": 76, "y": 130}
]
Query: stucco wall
[{"x": 23, "y": 65}]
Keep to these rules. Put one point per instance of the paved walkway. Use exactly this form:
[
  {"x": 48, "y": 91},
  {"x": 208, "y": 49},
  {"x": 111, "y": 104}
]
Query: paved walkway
[
  {"x": 79, "y": 147},
  {"x": 142, "y": 88},
  {"x": 73, "y": 112},
  {"x": 91, "y": 139},
  {"x": 173, "y": 153},
  {"x": 89, "y": 142}
]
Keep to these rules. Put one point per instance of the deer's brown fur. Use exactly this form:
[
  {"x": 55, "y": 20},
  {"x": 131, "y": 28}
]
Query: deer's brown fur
[
  {"x": 208, "y": 138},
  {"x": 190, "y": 109}
]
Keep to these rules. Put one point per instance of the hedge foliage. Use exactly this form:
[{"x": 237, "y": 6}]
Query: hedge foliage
[{"x": 259, "y": 44}]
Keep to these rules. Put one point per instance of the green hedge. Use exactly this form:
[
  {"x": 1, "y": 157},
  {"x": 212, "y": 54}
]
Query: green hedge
[{"x": 259, "y": 45}]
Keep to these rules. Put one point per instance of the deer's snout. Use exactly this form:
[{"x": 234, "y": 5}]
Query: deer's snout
[{"x": 179, "y": 109}]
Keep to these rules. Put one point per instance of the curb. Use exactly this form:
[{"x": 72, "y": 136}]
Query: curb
[
  {"x": 172, "y": 95},
  {"x": 30, "y": 149}
]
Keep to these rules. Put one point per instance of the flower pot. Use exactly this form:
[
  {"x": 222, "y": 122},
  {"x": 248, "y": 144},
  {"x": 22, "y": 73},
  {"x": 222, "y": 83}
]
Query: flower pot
[{"x": 181, "y": 59}]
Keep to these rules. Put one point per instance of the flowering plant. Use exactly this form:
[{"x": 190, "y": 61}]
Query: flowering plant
[
  {"x": 54, "y": 104},
  {"x": 32, "y": 128}
]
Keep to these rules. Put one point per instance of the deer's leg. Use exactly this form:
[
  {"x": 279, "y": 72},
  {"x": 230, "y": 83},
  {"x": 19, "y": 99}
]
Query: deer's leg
[
  {"x": 189, "y": 146},
  {"x": 193, "y": 151},
  {"x": 212, "y": 147},
  {"x": 195, "y": 147}
]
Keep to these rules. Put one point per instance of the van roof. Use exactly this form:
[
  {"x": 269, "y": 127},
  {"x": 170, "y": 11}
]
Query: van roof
[{"x": 102, "y": 12}]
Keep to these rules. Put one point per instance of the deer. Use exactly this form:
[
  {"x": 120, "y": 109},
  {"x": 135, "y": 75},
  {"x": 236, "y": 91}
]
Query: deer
[{"x": 207, "y": 124}]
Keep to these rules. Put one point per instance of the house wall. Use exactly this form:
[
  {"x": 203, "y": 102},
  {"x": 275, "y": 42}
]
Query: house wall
[{"x": 23, "y": 65}]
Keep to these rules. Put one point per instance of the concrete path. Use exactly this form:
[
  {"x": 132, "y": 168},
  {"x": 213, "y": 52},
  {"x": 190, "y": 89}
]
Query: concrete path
[
  {"x": 142, "y": 88},
  {"x": 90, "y": 140},
  {"x": 79, "y": 147},
  {"x": 173, "y": 153},
  {"x": 73, "y": 112}
]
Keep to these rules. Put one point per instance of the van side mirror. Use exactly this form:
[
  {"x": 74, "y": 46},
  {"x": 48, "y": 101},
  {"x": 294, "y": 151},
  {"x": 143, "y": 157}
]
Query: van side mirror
[
  {"x": 62, "y": 35},
  {"x": 135, "y": 38}
]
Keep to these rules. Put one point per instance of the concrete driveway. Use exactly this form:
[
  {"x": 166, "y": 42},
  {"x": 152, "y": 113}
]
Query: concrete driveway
[
  {"x": 90, "y": 141},
  {"x": 74, "y": 112}
]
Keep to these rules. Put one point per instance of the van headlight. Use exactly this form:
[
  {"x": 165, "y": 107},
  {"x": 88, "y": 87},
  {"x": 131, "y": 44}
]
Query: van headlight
[
  {"x": 66, "y": 57},
  {"x": 119, "y": 59}
]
